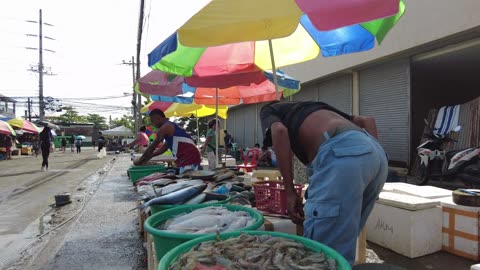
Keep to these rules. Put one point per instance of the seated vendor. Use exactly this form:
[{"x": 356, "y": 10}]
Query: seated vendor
[
  {"x": 265, "y": 159},
  {"x": 177, "y": 140}
]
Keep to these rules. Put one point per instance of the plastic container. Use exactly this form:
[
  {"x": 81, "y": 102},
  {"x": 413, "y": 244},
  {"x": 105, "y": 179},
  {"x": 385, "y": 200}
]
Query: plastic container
[
  {"x": 166, "y": 241},
  {"x": 137, "y": 172},
  {"x": 154, "y": 209},
  {"x": 172, "y": 255},
  {"x": 270, "y": 196}
]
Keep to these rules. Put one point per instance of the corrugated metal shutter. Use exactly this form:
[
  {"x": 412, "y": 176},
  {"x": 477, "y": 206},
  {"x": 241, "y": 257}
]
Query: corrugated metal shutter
[
  {"x": 231, "y": 122},
  {"x": 239, "y": 134},
  {"x": 385, "y": 94},
  {"x": 259, "y": 138},
  {"x": 307, "y": 93},
  {"x": 337, "y": 93},
  {"x": 250, "y": 114}
]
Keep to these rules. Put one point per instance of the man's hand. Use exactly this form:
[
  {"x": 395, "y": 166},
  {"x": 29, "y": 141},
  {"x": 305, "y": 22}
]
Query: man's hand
[
  {"x": 138, "y": 162},
  {"x": 295, "y": 207}
]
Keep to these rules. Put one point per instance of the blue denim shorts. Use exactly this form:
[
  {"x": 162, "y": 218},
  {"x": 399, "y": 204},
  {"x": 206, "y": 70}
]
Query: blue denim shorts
[{"x": 346, "y": 177}]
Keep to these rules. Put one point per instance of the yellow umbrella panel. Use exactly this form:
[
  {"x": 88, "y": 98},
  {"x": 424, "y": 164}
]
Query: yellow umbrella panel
[{"x": 183, "y": 110}]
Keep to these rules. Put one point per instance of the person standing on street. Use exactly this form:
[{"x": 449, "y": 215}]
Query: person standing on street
[
  {"x": 45, "y": 145},
  {"x": 8, "y": 146},
  {"x": 228, "y": 140},
  {"x": 346, "y": 164},
  {"x": 176, "y": 139},
  {"x": 71, "y": 140},
  {"x": 78, "y": 144},
  {"x": 64, "y": 144},
  {"x": 101, "y": 142},
  {"x": 210, "y": 144}
]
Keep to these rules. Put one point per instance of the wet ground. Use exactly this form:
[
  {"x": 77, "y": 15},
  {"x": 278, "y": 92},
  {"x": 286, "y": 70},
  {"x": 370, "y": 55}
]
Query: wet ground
[{"x": 27, "y": 193}]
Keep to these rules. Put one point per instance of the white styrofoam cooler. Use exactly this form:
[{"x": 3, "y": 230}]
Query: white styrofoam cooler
[
  {"x": 410, "y": 233},
  {"x": 461, "y": 229},
  {"x": 427, "y": 192}
]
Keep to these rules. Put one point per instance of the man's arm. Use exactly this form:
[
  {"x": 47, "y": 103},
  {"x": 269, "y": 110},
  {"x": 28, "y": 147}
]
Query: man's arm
[
  {"x": 281, "y": 142},
  {"x": 367, "y": 123},
  {"x": 205, "y": 145},
  {"x": 161, "y": 150},
  {"x": 161, "y": 132}
]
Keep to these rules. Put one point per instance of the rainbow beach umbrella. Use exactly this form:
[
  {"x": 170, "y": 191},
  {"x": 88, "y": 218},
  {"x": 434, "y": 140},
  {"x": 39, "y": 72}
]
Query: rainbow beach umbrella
[
  {"x": 6, "y": 129},
  {"x": 23, "y": 125}
]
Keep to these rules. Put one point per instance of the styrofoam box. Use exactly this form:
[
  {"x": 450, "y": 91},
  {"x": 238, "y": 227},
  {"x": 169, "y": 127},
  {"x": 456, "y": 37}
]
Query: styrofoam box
[
  {"x": 428, "y": 192},
  {"x": 461, "y": 233},
  {"x": 407, "y": 202},
  {"x": 410, "y": 233}
]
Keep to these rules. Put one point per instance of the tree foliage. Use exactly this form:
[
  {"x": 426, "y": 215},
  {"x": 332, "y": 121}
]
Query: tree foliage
[
  {"x": 190, "y": 125},
  {"x": 125, "y": 120},
  {"x": 69, "y": 116},
  {"x": 98, "y": 121}
]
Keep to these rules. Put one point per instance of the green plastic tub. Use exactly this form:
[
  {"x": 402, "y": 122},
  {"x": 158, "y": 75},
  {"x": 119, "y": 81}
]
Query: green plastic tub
[
  {"x": 154, "y": 209},
  {"x": 137, "y": 172},
  {"x": 173, "y": 254},
  {"x": 166, "y": 241}
]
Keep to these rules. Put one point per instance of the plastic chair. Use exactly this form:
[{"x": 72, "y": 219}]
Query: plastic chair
[{"x": 249, "y": 167}]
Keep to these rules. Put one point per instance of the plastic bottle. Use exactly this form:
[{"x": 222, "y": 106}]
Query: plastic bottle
[{"x": 132, "y": 156}]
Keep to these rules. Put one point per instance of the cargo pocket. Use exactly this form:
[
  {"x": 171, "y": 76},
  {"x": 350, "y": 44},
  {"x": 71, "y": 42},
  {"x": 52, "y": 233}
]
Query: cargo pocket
[
  {"x": 318, "y": 212},
  {"x": 354, "y": 150}
]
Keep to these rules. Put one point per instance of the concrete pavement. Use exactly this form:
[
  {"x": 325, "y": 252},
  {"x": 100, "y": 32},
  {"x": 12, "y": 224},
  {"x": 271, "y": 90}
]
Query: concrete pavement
[
  {"x": 26, "y": 193},
  {"x": 105, "y": 236}
]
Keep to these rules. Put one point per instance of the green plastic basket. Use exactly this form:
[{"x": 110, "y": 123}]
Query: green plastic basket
[
  {"x": 137, "y": 172},
  {"x": 154, "y": 209},
  {"x": 166, "y": 241},
  {"x": 173, "y": 254}
]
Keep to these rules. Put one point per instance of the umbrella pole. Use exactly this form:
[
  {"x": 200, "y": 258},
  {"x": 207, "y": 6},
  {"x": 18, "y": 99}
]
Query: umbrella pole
[
  {"x": 274, "y": 69},
  {"x": 216, "y": 130},
  {"x": 198, "y": 130}
]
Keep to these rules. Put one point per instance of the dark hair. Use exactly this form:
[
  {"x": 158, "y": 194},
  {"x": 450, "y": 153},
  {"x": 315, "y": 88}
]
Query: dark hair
[
  {"x": 257, "y": 145},
  {"x": 143, "y": 128},
  {"x": 264, "y": 148},
  {"x": 157, "y": 112},
  {"x": 225, "y": 131},
  {"x": 212, "y": 123}
]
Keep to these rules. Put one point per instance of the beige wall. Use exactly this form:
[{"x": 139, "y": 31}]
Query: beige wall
[{"x": 424, "y": 21}]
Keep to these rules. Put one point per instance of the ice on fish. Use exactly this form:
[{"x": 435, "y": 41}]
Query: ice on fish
[
  {"x": 254, "y": 252},
  {"x": 209, "y": 220}
]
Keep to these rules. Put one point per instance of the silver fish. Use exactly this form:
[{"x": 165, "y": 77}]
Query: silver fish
[
  {"x": 175, "y": 197},
  {"x": 197, "y": 199}
]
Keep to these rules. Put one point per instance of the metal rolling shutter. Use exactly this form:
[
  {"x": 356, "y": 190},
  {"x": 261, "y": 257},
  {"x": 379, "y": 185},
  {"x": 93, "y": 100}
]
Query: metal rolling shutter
[
  {"x": 337, "y": 93},
  {"x": 385, "y": 94},
  {"x": 259, "y": 138},
  {"x": 239, "y": 134},
  {"x": 307, "y": 93},
  {"x": 250, "y": 114},
  {"x": 231, "y": 122}
]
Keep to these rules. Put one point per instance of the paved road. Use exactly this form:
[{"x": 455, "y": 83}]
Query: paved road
[{"x": 26, "y": 192}]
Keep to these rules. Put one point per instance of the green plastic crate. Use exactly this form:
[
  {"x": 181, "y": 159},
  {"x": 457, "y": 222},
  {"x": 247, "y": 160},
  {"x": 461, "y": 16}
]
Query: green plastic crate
[
  {"x": 166, "y": 241},
  {"x": 137, "y": 172},
  {"x": 173, "y": 254}
]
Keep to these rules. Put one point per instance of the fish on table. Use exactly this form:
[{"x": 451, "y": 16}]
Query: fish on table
[
  {"x": 209, "y": 220},
  {"x": 175, "y": 197}
]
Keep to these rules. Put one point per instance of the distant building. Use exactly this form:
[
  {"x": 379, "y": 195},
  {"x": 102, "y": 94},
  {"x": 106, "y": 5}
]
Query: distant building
[{"x": 7, "y": 106}]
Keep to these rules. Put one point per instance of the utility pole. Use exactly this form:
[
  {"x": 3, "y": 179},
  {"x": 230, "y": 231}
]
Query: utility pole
[
  {"x": 134, "y": 100},
  {"x": 29, "y": 110},
  {"x": 40, "y": 67},
  {"x": 138, "y": 122}
]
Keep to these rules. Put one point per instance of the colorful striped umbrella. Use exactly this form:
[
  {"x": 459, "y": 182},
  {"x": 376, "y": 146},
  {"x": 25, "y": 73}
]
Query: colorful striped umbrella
[
  {"x": 162, "y": 86},
  {"x": 24, "y": 125},
  {"x": 224, "y": 21},
  {"x": 186, "y": 110},
  {"x": 6, "y": 129},
  {"x": 280, "y": 37}
]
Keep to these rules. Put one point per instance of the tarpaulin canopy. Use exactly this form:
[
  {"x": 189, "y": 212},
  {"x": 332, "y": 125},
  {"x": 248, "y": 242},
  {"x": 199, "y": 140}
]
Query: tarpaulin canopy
[{"x": 119, "y": 131}]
